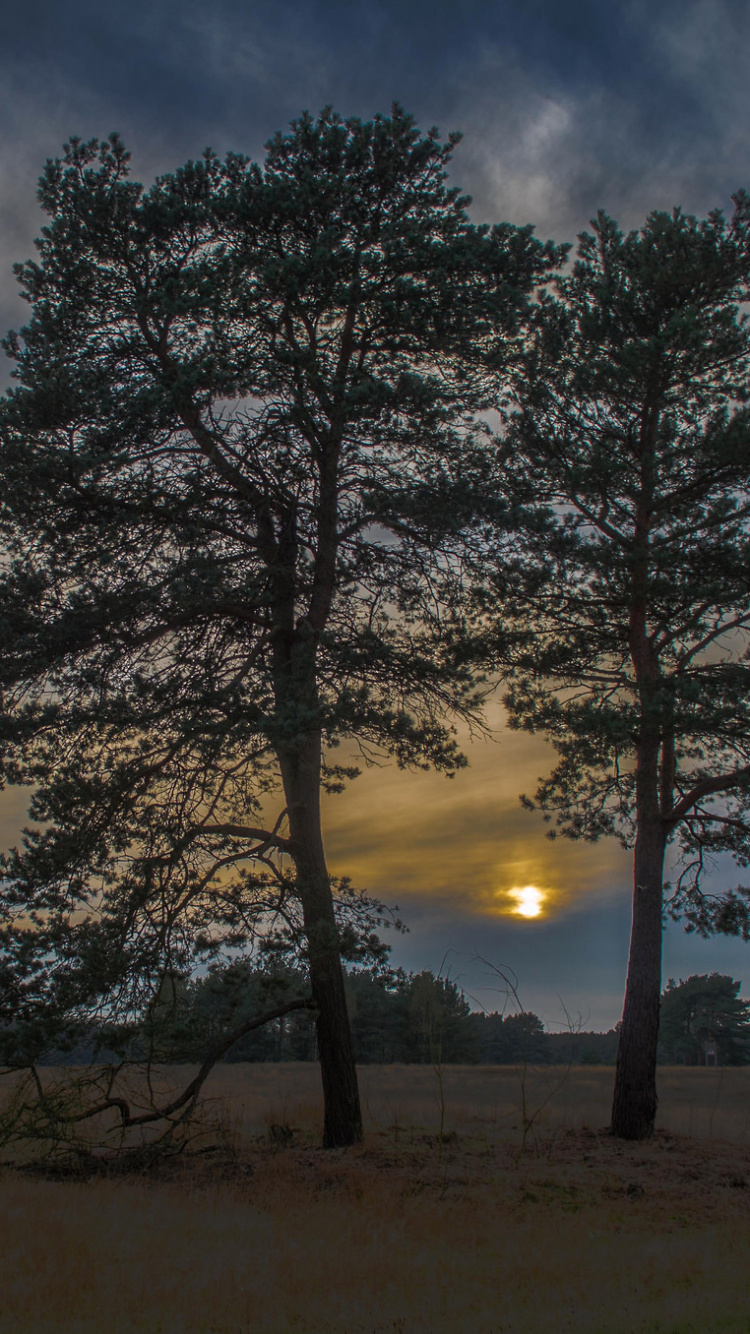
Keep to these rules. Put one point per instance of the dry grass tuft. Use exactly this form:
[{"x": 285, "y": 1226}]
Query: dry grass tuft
[{"x": 578, "y": 1233}]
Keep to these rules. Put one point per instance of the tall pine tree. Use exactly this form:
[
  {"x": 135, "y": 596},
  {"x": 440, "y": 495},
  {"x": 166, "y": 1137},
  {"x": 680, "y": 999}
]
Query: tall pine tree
[
  {"x": 631, "y": 447},
  {"x": 233, "y": 387}
]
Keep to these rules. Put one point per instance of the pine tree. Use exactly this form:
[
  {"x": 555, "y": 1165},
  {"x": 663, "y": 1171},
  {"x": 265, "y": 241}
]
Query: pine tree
[
  {"x": 631, "y": 450},
  {"x": 705, "y": 1008},
  {"x": 234, "y": 476}
]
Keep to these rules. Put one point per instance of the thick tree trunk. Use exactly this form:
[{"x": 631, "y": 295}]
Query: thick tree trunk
[
  {"x": 634, "y": 1104},
  {"x": 301, "y": 772}
]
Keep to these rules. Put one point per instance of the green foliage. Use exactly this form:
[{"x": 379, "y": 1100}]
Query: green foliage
[
  {"x": 227, "y": 997},
  {"x": 379, "y": 1014},
  {"x": 395, "y": 1017},
  {"x": 582, "y": 1046},
  {"x": 704, "y": 1009}
]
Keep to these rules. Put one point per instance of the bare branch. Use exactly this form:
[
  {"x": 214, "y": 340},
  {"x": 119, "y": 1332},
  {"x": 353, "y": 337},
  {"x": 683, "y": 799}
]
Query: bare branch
[
  {"x": 191, "y": 1091},
  {"x": 706, "y": 788}
]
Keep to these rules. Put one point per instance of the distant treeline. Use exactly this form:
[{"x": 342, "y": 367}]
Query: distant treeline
[
  {"x": 401, "y": 1018},
  {"x": 417, "y": 1018}
]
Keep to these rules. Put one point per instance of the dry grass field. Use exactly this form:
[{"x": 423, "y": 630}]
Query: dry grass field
[{"x": 477, "y": 1231}]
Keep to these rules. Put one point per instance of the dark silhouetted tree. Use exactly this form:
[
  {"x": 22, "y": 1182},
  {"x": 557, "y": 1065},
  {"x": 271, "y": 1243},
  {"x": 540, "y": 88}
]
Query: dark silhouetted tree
[
  {"x": 379, "y": 1015},
  {"x": 510, "y": 1039},
  {"x": 235, "y": 473},
  {"x": 631, "y": 446},
  {"x": 440, "y": 1028},
  {"x": 705, "y": 1008}
]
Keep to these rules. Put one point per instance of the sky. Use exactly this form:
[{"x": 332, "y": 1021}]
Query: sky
[{"x": 629, "y": 106}]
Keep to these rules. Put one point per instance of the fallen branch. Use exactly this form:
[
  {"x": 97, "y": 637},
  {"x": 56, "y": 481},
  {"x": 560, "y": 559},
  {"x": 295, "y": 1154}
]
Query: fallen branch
[{"x": 190, "y": 1093}]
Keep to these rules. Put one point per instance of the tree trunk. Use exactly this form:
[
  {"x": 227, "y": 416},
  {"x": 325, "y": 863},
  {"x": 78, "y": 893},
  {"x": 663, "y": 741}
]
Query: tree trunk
[
  {"x": 634, "y": 1104},
  {"x": 301, "y": 771}
]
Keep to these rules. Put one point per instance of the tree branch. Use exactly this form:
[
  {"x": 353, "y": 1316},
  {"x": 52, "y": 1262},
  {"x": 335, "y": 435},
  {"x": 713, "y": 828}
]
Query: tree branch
[
  {"x": 706, "y": 788},
  {"x": 265, "y": 837},
  {"x": 191, "y": 1091}
]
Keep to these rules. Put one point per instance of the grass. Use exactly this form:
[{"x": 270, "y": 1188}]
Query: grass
[
  {"x": 579, "y": 1233},
  {"x": 713, "y": 1103}
]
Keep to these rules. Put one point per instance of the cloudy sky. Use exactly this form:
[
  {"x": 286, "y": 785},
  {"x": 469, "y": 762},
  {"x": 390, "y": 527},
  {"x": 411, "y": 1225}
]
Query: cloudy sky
[{"x": 628, "y": 106}]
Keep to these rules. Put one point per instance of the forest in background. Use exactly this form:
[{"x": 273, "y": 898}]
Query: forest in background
[{"x": 418, "y": 1018}]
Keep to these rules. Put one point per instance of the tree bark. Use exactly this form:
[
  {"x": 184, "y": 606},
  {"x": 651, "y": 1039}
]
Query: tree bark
[
  {"x": 299, "y": 752},
  {"x": 634, "y": 1102},
  {"x": 301, "y": 772}
]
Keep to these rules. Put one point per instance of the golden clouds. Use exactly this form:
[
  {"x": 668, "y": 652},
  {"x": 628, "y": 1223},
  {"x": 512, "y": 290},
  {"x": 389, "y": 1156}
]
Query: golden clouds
[
  {"x": 465, "y": 845},
  {"x": 466, "y": 841}
]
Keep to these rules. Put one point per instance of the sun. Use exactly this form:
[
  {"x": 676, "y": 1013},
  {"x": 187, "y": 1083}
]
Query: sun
[{"x": 529, "y": 901}]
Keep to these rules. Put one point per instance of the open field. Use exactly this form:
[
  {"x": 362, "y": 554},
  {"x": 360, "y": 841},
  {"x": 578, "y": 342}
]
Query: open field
[
  {"x": 485, "y": 1100},
  {"x": 573, "y": 1232}
]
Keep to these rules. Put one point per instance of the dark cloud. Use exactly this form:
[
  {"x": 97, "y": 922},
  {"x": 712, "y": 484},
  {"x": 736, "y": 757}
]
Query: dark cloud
[{"x": 565, "y": 108}]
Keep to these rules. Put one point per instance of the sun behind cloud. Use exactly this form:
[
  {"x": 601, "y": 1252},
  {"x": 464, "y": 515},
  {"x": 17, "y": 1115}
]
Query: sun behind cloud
[{"x": 529, "y": 901}]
